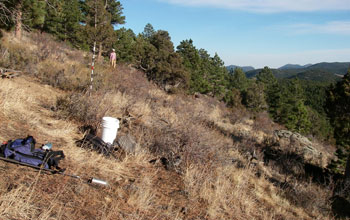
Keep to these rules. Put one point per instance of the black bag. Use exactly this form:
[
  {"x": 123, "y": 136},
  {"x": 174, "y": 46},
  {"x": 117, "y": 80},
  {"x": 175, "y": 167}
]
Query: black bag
[{"x": 23, "y": 150}]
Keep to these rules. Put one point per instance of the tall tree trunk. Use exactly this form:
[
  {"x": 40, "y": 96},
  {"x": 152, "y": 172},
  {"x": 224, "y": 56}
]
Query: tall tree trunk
[
  {"x": 347, "y": 170},
  {"x": 100, "y": 48},
  {"x": 18, "y": 29}
]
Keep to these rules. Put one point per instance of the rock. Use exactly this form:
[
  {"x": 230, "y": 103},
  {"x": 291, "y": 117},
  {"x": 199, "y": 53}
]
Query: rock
[
  {"x": 300, "y": 145},
  {"x": 127, "y": 143},
  {"x": 197, "y": 95},
  {"x": 283, "y": 133}
]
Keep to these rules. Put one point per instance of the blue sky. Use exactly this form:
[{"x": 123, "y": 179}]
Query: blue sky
[{"x": 252, "y": 32}]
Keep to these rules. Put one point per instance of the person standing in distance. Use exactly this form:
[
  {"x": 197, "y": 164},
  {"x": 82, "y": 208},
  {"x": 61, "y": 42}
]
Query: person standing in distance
[{"x": 113, "y": 58}]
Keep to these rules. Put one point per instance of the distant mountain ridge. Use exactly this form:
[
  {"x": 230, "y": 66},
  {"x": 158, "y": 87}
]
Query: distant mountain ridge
[
  {"x": 244, "y": 68},
  {"x": 322, "y": 72},
  {"x": 294, "y": 66}
]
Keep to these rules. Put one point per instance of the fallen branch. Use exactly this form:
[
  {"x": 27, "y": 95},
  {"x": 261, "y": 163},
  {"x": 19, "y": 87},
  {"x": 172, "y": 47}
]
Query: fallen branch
[
  {"x": 9, "y": 73},
  {"x": 4, "y": 70}
]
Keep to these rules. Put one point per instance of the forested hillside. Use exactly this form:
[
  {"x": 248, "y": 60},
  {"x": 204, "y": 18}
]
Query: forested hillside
[
  {"x": 313, "y": 101},
  {"x": 322, "y": 72}
]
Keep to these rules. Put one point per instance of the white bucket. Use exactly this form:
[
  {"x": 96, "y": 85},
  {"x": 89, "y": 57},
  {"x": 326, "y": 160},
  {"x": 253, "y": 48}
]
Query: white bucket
[{"x": 109, "y": 129}]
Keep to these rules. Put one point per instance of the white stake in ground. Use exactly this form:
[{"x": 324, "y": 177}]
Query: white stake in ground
[{"x": 92, "y": 67}]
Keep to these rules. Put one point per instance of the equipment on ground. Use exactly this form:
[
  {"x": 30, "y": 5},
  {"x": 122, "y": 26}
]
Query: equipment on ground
[{"x": 23, "y": 152}]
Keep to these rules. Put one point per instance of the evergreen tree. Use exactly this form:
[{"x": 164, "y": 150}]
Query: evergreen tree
[
  {"x": 272, "y": 91},
  {"x": 148, "y": 31},
  {"x": 192, "y": 62},
  {"x": 204, "y": 71},
  {"x": 233, "y": 98},
  {"x": 63, "y": 20},
  {"x": 218, "y": 76},
  {"x": 254, "y": 97},
  {"x": 125, "y": 45},
  {"x": 238, "y": 79},
  {"x": 168, "y": 67},
  {"x": 338, "y": 109},
  {"x": 30, "y": 13},
  {"x": 157, "y": 57},
  {"x": 265, "y": 76},
  {"x": 294, "y": 114},
  {"x": 144, "y": 54},
  {"x": 101, "y": 18},
  {"x": 6, "y": 15}
]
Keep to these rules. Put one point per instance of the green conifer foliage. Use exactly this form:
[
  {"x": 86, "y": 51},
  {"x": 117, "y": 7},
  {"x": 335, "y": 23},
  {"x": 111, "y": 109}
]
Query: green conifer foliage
[
  {"x": 254, "y": 98},
  {"x": 294, "y": 114},
  {"x": 272, "y": 91},
  {"x": 36, "y": 11},
  {"x": 157, "y": 57},
  {"x": 25, "y": 13},
  {"x": 148, "y": 31},
  {"x": 338, "y": 109},
  {"x": 233, "y": 98},
  {"x": 125, "y": 45},
  {"x": 238, "y": 79},
  {"x": 101, "y": 18},
  {"x": 192, "y": 62},
  {"x": 168, "y": 68},
  {"x": 63, "y": 20}
]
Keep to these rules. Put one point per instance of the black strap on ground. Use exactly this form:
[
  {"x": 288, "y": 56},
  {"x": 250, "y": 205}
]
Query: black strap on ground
[
  {"x": 25, "y": 164},
  {"x": 87, "y": 181}
]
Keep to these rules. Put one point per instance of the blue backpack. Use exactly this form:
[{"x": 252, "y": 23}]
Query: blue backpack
[{"x": 23, "y": 150}]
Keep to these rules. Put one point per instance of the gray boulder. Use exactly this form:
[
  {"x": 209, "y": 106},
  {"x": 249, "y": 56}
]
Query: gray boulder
[
  {"x": 127, "y": 143},
  {"x": 300, "y": 145}
]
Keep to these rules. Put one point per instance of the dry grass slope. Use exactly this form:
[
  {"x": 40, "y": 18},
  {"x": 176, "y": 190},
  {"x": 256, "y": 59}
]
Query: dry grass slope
[{"x": 213, "y": 180}]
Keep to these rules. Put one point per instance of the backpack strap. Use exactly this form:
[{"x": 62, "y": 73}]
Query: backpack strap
[
  {"x": 31, "y": 140},
  {"x": 52, "y": 158}
]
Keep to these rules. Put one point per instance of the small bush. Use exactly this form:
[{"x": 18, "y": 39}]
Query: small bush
[
  {"x": 82, "y": 108},
  {"x": 311, "y": 197},
  {"x": 16, "y": 57},
  {"x": 73, "y": 77}
]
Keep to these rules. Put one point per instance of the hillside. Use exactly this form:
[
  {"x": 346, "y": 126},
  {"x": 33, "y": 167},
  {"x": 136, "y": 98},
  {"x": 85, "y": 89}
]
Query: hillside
[
  {"x": 221, "y": 163},
  {"x": 294, "y": 66},
  {"x": 321, "y": 72}
]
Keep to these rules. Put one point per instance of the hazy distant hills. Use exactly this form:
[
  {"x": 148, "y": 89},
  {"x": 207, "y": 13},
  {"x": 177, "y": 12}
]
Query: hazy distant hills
[
  {"x": 244, "y": 68},
  {"x": 322, "y": 72},
  {"x": 294, "y": 66}
]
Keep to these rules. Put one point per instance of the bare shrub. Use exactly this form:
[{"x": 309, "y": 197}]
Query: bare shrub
[
  {"x": 72, "y": 77},
  {"x": 82, "y": 108},
  {"x": 313, "y": 198},
  {"x": 17, "y": 57}
]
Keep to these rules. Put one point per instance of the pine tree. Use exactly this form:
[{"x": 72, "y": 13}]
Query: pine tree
[
  {"x": 338, "y": 109},
  {"x": 125, "y": 45},
  {"x": 272, "y": 92},
  {"x": 63, "y": 20},
  {"x": 6, "y": 15},
  {"x": 28, "y": 13},
  {"x": 192, "y": 62},
  {"x": 294, "y": 114},
  {"x": 168, "y": 67},
  {"x": 101, "y": 18},
  {"x": 157, "y": 57},
  {"x": 148, "y": 31},
  {"x": 238, "y": 79},
  {"x": 254, "y": 97},
  {"x": 218, "y": 76}
]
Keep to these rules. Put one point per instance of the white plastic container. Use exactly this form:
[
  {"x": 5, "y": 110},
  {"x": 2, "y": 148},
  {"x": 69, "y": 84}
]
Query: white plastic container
[{"x": 109, "y": 129}]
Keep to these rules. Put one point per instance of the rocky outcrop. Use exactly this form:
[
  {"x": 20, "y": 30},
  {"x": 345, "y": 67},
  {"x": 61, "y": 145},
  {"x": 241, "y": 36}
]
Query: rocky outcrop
[{"x": 302, "y": 146}]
